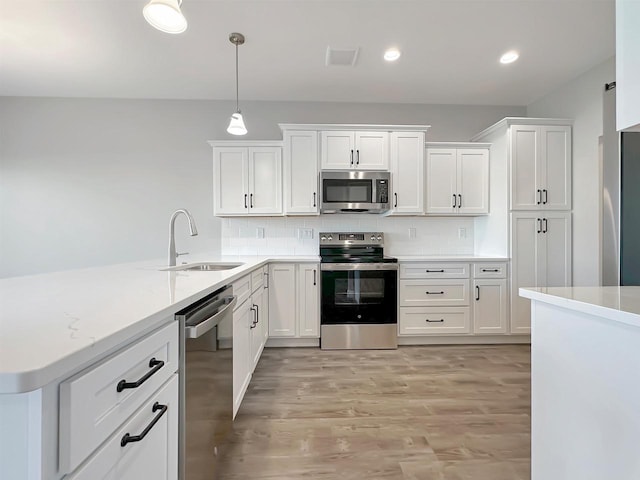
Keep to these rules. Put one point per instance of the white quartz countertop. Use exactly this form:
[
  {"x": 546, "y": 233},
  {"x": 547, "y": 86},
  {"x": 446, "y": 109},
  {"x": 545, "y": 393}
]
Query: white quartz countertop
[
  {"x": 620, "y": 304},
  {"x": 51, "y": 324},
  {"x": 449, "y": 258}
]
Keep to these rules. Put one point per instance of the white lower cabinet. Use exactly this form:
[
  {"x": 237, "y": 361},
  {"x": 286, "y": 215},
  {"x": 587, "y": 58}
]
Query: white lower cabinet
[
  {"x": 541, "y": 250},
  {"x": 250, "y": 333},
  {"x": 132, "y": 454},
  {"x": 308, "y": 300},
  {"x": 242, "y": 320},
  {"x": 435, "y": 320},
  {"x": 436, "y": 298},
  {"x": 294, "y": 300},
  {"x": 490, "y": 306},
  {"x": 282, "y": 300}
]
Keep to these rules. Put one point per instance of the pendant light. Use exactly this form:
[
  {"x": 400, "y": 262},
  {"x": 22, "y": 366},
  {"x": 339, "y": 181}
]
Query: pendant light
[
  {"x": 165, "y": 15},
  {"x": 236, "y": 123}
]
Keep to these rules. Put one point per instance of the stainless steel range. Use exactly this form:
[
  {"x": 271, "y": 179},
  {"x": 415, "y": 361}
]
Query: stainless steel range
[{"x": 359, "y": 292}]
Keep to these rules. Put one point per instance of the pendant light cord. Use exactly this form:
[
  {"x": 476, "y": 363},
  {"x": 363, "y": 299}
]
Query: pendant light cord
[{"x": 237, "y": 104}]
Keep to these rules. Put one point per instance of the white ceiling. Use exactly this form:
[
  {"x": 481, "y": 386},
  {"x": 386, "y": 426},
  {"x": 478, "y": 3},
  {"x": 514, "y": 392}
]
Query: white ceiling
[{"x": 450, "y": 49}]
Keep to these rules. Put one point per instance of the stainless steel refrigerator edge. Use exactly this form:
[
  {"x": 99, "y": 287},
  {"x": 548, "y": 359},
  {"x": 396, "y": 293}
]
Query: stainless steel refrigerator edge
[{"x": 620, "y": 157}]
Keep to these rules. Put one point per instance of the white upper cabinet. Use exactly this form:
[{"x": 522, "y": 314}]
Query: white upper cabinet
[
  {"x": 407, "y": 173},
  {"x": 350, "y": 150},
  {"x": 247, "y": 178},
  {"x": 265, "y": 180},
  {"x": 301, "y": 195},
  {"x": 457, "y": 180},
  {"x": 540, "y": 167},
  {"x": 231, "y": 181}
]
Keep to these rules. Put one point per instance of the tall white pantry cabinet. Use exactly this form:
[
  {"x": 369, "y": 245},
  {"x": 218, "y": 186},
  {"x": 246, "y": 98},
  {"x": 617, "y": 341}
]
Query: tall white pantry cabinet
[{"x": 537, "y": 156}]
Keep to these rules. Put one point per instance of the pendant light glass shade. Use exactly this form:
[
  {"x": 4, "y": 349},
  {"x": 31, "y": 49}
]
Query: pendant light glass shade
[
  {"x": 165, "y": 15},
  {"x": 236, "y": 125}
]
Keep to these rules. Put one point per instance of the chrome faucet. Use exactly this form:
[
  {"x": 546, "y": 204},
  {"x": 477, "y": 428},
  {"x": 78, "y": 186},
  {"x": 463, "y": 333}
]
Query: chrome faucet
[{"x": 193, "y": 231}]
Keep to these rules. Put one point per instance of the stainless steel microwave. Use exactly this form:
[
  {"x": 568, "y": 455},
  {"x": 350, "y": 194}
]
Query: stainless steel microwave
[{"x": 354, "y": 192}]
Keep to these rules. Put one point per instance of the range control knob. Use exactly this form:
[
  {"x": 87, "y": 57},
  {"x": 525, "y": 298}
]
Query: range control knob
[
  {"x": 323, "y": 238},
  {"x": 373, "y": 237},
  {"x": 379, "y": 238},
  {"x": 330, "y": 237}
]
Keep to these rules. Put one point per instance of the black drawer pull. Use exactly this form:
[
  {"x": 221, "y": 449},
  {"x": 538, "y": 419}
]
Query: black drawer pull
[
  {"x": 136, "y": 438},
  {"x": 156, "y": 364},
  {"x": 435, "y": 271},
  {"x": 490, "y": 269},
  {"x": 434, "y": 293},
  {"x": 434, "y": 321}
]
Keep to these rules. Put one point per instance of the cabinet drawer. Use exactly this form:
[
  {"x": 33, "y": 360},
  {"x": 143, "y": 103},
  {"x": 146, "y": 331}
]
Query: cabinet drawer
[
  {"x": 490, "y": 270},
  {"x": 257, "y": 279},
  {"x": 155, "y": 456},
  {"x": 434, "y": 270},
  {"x": 242, "y": 289},
  {"x": 434, "y": 320},
  {"x": 424, "y": 293},
  {"x": 92, "y": 408}
]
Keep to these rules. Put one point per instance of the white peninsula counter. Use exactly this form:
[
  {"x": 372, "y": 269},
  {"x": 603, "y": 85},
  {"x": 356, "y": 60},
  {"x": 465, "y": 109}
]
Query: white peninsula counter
[{"x": 585, "y": 381}]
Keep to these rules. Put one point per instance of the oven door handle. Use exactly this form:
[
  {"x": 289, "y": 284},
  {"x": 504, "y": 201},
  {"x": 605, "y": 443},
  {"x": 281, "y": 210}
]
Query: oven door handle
[
  {"x": 203, "y": 327},
  {"x": 331, "y": 267}
]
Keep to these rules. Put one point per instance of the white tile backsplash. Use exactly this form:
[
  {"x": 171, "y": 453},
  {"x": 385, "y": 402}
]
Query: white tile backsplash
[{"x": 434, "y": 235}]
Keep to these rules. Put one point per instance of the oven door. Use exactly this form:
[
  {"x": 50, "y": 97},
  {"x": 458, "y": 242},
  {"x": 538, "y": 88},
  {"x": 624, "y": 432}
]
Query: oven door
[{"x": 359, "y": 293}]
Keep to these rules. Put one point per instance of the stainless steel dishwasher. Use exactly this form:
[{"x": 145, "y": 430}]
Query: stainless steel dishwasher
[{"x": 206, "y": 383}]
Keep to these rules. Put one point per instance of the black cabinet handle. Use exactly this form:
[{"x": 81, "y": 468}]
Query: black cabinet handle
[
  {"x": 545, "y": 230},
  {"x": 539, "y": 225},
  {"x": 491, "y": 270},
  {"x": 357, "y": 157},
  {"x": 257, "y": 313},
  {"x": 251, "y": 200},
  {"x": 477, "y": 293},
  {"x": 314, "y": 199},
  {"x": 245, "y": 201},
  {"x": 266, "y": 280},
  {"x": 136, "y": 438},
  {"x": 434, "y": 271},
  {"x": 460, "y": 202},
  {"x": 434, "y": 293},
  {"x": 314, "y": 277},
  {"x": 545, "y": 196},
  {"x": 396, "y": 196},
  {"x": 455, "y": 200},
  {"x": 434, "y": 321},
  {"x": 539, "y": 196},
  {"x": 154, "y": 364},
  {"x": 352, "y": 157}
]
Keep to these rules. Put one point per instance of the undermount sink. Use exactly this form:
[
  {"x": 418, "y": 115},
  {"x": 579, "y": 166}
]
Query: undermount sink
[{"x": 204, "y": 267}]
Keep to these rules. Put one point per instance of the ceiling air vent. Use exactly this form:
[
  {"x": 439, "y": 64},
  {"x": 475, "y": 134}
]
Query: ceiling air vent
[{"x": 345, "y": 57}]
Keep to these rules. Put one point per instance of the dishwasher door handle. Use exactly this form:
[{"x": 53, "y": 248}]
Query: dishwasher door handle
[{"x": 195, "y": 331}]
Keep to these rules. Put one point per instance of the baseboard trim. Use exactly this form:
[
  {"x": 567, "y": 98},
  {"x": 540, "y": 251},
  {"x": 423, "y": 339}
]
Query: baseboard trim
[
  {"x": 293, "y": 342},
  {"x": 466, "y": 340}
]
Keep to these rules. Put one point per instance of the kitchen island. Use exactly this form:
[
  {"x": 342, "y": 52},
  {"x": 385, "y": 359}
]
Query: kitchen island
[{"x": 585, "y": 359}]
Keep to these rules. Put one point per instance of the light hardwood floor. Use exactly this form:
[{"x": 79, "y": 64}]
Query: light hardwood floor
[{"x": 428, "y": 413}]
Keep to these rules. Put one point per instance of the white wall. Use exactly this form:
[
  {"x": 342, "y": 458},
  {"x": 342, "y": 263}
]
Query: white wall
[
  {"x": 582, "y": 100},
  {"x": 86, "y": 182},
  {"x": 281, "y": 235}
]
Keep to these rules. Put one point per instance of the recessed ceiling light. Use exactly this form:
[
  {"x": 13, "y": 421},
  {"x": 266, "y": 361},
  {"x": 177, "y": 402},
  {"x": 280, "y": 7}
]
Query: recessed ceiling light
[
  {"x": 392, "y": 54},
  {"x": 509, "y": 57}
]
